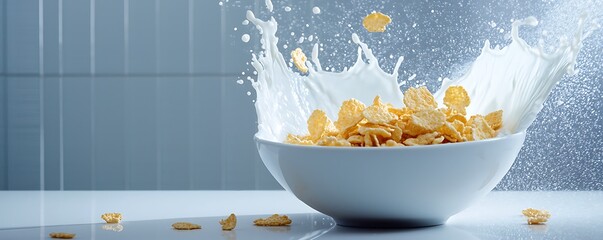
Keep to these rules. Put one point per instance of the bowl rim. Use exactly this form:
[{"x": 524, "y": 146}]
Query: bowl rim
[{"x": 434, "y": 146}]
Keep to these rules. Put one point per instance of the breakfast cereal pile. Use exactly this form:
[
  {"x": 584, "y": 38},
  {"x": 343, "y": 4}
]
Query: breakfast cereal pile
[{"x": 420, "y": 122}]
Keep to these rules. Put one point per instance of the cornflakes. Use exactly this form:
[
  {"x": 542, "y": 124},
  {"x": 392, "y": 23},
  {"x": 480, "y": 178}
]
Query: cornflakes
[
  {"x": 477, "y": 129},
  {"x": 319, "y": 124},
  {"x": 456, "y": 99},
  {"x": 300, "y": 140},
  {"x": 425, "y": 139},
  {"x": 376, "y": 22},
  {"x": 61, "y": 235},
  {"x": 425, "y": 121},
  {"x": 456, "y": 117},
  {"x": 419, "y": 98},
  {"x": 449, "y": 132},
  {"x": 374, "y": 131},
  {"x": 536, "y": 216},
  {"x": 229, "y": 223},
  {"x": 333, "y": 141},
  {"x": 420, "y": 122},
  {"x": 111, "y": 217},
  {"x": 299, "y": 59},
  {"x": 391, "y": 143},
  {"x": 356, "y": 139},
  {"x": 494, "y": 119},
  {"x": 350, "y": 114},
  {"x": 185, "y": 226},
  {"x": 274, "y": 220},
  {"x": 378, "y": 113}
]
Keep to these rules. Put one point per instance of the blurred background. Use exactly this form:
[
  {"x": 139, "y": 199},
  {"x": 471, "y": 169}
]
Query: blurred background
[{"x": 143, "y": 94}]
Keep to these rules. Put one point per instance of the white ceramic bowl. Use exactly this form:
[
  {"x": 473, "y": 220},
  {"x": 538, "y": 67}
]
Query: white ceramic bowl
[{"x": 391, "y": 187}]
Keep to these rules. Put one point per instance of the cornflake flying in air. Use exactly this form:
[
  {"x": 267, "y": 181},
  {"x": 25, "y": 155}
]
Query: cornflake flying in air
[{"x": 376, "y": 22}]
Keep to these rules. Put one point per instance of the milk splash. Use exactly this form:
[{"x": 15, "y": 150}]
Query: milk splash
[{"x": 517, "y": 78}]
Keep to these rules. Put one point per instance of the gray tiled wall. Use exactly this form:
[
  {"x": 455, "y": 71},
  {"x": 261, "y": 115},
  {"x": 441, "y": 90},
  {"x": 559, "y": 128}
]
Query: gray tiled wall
[{"x": 124, "y": 94}]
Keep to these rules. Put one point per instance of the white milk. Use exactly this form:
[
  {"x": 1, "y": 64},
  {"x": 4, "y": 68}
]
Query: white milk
[{"x": 517, "y": 78}]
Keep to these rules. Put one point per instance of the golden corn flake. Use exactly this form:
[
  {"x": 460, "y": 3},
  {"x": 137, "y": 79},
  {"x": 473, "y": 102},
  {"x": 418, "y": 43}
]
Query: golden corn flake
[
  {"x": 536, "y": 216},
  {"x": 61, "y": 235},
  {"x": 494, "y": 119},
  {"x": 349, "y": 132},
  {"x": 457, "y": 117},
  {"x": 229, "y": 223},
  {"x": 274, "y": 220},
  {"x": 374, "y": 131},
  {"x": 425, "y": 139},
  {"x": 319, "y": 124},
  {"x": 300, "y": 140},
  {"x": 334, "y": 142},
  {"x": 421, "y": 122},
  {"x": 397, "y": 134},
  {"x": 299, "y": 59},
  {"x": 376, "y": 22},
  {"x": 425, "y": 121},
  {"x": 356, "y": 139},
  {"x": 368, "y": 141},
  {"x": 185, "y": 226},
  {"x": 111, "y": 217},
  {"x": 401, "y": 111},
  {"x": 419, "y": 98},
  {"x": 451, "y": 134},
  {"x": 456, "y": 99},
  {"x": 378, "y": 113},
  {"x": 350, "y": 114},
  {"x": 477, "y": 129}
]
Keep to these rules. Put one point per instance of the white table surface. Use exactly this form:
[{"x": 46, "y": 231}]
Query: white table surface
[{"x": 149, "y": 214}]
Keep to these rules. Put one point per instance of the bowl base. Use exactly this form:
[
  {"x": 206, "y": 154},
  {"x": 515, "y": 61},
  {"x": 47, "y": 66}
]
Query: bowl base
[{"x": 389, "y": 223}]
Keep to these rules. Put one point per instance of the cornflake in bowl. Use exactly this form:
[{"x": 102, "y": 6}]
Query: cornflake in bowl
[{"x": 419, "y": 177}]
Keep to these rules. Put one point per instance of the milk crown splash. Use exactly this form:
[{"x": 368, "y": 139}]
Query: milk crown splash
[{"x": 517, "y": 78}]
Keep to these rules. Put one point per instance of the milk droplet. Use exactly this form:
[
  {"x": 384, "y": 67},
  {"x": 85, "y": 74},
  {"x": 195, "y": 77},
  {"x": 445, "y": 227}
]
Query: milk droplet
[
  {"x": 292, "y": 33},
  {"x": 311, "y": 38},
  {"x": 235, "y": 28},
  {"x": 220, "y": 3},
  {"x": 240, "y": 81},
  {"x": 287, "y": 9},
  {"x": 285, "y": 46},
  {"x": 245, "y": 22},
  {"x": 316, "y": 10},
  {"x": 492, "y": 24},
  {"x": 414, "y": 25},
  {"x": 248, "y": 93},
  {"x": 301, "y": 40},
  {"x": 245, "y": 38},
  {"x": 412, "y": 77},
  {"x": 559, "y": 103},
  {"x": 269, "y": 5}
]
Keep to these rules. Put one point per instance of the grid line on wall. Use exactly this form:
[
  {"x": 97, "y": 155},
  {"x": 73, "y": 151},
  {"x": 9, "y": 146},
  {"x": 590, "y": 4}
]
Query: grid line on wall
[
  {"x": 5, "y": 95},
  {"x": 41, "y": 92}
]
